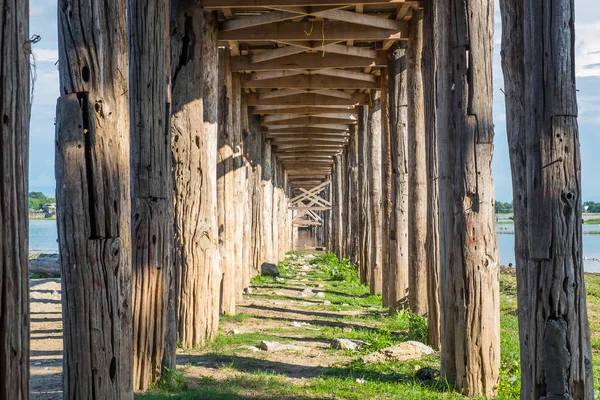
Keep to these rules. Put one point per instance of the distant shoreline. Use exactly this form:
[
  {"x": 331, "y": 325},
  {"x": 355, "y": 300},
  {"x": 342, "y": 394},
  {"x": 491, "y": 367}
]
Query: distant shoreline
[{"x": 43, "y": 219}]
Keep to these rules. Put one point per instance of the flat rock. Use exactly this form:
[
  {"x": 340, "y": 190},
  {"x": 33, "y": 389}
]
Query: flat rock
[
  {"x": 405, "y": 351},
  {"x": 234, "y": 332},
  {"x": 348, "y": 344},
  {"x": 253, "y": 349},
  {"x": 326, "y": 303},
  {"x": 321, "y": 294},
  {"x": 269, "y": 269},
  {"x": 276, "y": 346}
]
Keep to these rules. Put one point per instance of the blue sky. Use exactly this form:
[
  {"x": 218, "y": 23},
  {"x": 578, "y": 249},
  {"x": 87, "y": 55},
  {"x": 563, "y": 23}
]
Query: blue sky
[{"x": 41, "y": 164}]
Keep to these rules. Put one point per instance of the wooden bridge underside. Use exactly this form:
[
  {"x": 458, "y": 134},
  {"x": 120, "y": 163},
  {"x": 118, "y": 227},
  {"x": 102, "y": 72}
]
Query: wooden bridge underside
[{"x": 306, "y": 65}]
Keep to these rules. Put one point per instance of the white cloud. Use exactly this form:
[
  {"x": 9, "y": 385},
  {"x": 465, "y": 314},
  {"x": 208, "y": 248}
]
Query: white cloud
[
  {"x": 45, "y": 55},
  {"x": 587, "y": 49}
]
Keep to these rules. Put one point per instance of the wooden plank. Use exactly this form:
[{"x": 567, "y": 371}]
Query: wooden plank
[
  {"x": 344, "y": 73},
  {"x": 310, "y": 208},
  {"x": 360, "y": 19},
  {"x": 304, "y": 110},
  {"x": 292, "y": 116},
  {"x": 257, "y": 76},
  {"x": 276, "y": 53},
  {"x": 256, "y": 20},
  {"x": 310, "y": 129},
  {"x": 288, "y": 4},
  {"x": 312, "y": 82},
  {"x": 308, "y": 61},
  {"x": 309, "y": 120},
  {"x": 308, "y": 99}
]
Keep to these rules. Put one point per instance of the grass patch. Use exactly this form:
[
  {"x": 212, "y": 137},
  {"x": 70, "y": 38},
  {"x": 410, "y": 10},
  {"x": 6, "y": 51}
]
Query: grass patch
[{"x": 592, "y": 221}]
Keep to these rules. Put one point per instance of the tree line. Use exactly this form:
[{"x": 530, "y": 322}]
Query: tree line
[
  {"x": 36, "y": 200},
  {"x": 507, "y": 207}
]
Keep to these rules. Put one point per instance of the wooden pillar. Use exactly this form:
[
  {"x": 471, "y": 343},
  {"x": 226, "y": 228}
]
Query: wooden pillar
[
  {"x": 386, "y": 192},
  {"x": 226, "y": 185},
  {"x": 543, "y": 136},
  {"x": 364, "y": 227},
  {"x": 92, "y": 177},
  {"x": 432, "y": 239},
  {"x": 150, "y": 103},
  {"x": 352, "y": 232},
  {"x": 275, "y": 209},
  {"x": 375, "y": 192},
  {"x": 339, "y": 205},
  {"x": 417, "y": 175},
  {"x": 240, "y": 194},
  {"x": 267, "y": 204},
  {"x": 469, "y": 256},
  {"x": 15, "y": 107},
  {"x": 398, "y": 275}
]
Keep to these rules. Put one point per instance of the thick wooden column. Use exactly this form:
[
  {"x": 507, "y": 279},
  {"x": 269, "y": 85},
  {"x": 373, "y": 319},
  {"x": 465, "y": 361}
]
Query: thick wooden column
[
  {"x": 352, "y": 232},
  {"x": 417, "y": 175},
  {"x": 339, "y": 205},
  {"x": 226, "y": 185},
  {"x": 432, "y": 240},
  {"x": 386, "y": 192},
  {"x": 266, "y": 204},
  {"x": 92, "y": 177},
  {"x": 240, "y": 193},
  {"x": 398, "y": 274},
  {"x": 150, "y": 103},
  {"x": 375, "y": 192},
  {"x": 541, "y": 104},
  {"x": 364, "y": 227},
  {"x": 15, "y": 107},
  {"x": 275, "y": 209},
  {"x": 470, "y": 257}
]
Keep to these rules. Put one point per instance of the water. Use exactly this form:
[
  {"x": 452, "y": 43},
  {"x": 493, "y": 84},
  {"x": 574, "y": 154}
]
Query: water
[{"x": 43, "y": 237}]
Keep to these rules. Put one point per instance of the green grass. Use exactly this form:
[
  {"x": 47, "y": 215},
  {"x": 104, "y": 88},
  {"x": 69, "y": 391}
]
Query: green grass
[
  {"x": 592, "y": 221},
  {"x": 352, "y": 379}
]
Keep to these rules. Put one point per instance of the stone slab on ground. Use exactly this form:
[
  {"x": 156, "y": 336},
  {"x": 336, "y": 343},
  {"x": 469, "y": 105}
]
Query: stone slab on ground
[
  {"x": 276, "y": 346},
  {"x": 405, "y": 351}
]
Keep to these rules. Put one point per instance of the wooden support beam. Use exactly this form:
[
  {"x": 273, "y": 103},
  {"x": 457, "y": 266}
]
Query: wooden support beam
[
  {"x": 309, "y": 121},
  {"x": 256, "y": 20},
  {"x": 308, "y": 129},
  {"x": 288, "y": 4},
  {"x": 309, "y": 208},
  {"x": 287, "y": 117},
  {"x": 308, "y": 61},
  {"x": 361, "y": 19},
  {"x": 344, "y": 73},
  {"x": 308, "y": 99},
  {"x": 311, "y": 82},
  {"x": 307, "y": 110}
]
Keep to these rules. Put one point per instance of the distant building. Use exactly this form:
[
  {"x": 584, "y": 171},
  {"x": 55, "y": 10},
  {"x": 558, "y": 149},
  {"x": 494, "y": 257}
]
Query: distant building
[{"x": 49, "y": 210}]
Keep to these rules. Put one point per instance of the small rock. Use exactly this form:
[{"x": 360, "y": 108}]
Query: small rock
[
  {"x": 234, "y": 332},
  {"x": 326, "y": 303},
  {"x": 269, "y": 269},
  {"x": 348, "y": 344},
  {"x": 308, "y": 290},
  {"x": 37, "y": 363},
  {"x": 346, "y": 305},
  {"x": 360, "y": 380},
  {"x": 405, "y": 351},
  {"x": 55, "y": 293},
  {"x": 417, "y": 367},
  {"x": 347, "y": 330},
  {"x": 276, "y": 346},
  {"x": 247, "y": 290},
  {"x": 427, "y": 375},
  {"x": 253, "y": 349},
  {"x": 299, "y": 324},
  {"x": 321, "y": 294},
  {"x": 277, "y": 303},
  {"x": 278, "y": 279},
  {"x": 513, "y": 379}
]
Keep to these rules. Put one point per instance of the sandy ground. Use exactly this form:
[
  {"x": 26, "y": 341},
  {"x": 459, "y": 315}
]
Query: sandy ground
[{"x": 46, "y": 339}]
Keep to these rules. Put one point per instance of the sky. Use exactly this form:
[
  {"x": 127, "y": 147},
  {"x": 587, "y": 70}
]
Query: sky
[{"x": 587, "y": 56}]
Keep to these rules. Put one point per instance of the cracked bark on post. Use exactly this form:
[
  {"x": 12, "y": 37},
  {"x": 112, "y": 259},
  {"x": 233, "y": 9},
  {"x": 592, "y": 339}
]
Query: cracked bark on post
[
  {"x": 150, "y": 104},
  {"x": 363, "y": 190},
  {"x": 93, "y": 200},
  {"x": 375, "y": 191},
  {"x": 15, "y": 107},
  {"x": 386, "y": 192},
  {"x": 352, "y": 233},
  {"x": 470, "y": 258},
  {"x": 538, "y": 65},
  {"x": 398, "y": 294},
  {"x": 432, "y": 239},
  {"x": 417, "y": 167}
]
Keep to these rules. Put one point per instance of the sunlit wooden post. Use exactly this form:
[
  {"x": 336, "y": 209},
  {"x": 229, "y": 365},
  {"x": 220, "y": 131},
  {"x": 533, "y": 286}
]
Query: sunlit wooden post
[{"x": 93, "y": 199}]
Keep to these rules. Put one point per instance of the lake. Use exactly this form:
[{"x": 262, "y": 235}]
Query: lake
[{"x": 43, "y": 239}]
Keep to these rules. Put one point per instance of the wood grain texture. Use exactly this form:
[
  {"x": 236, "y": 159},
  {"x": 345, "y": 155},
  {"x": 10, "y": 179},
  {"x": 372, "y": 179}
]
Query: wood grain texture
[
  {"x": 538, "y": 64},
  {"x": 432, "y": 239},
  {"x": 352, "y": 233},
  {"x": 15, "y": 107},
  {"x": 374, "y": 173},
  {"x": 417, "y": 171},
  {"x": 93, "y": 203},
  {"x": 470, "y": 259},
  {"x": 150, "y": 111},
  {"x": 398, "y": 103},
  {"x": 364, "y": 258},
  {"x": 386, "y": 191}
]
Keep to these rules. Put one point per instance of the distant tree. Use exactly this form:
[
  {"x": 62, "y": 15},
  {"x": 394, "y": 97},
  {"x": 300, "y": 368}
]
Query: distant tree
[
  {"x": 503, "y": 208},
  {"x": 592, "y": 207},
  {"x": 36, "y": 200}
]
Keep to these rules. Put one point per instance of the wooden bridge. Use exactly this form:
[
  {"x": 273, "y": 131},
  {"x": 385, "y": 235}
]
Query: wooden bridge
[{"x": 194, "y": 137}]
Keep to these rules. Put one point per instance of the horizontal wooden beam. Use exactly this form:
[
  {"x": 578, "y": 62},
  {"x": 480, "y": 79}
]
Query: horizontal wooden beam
[
  {"x": 314, "y": 30},
  {"x": 308, "y": 99},
  {"x": 308, "y": 129},
  {"x": 309, "y": 61},
  {"x": 309, "y": 121},
  {"x": 304, "y": 110},
  {"x": 288, "y": 117},
  {"x": 310, "y": 208},
  {"x": 311, "y": 82},
  {"x": 219, "y": 4}
]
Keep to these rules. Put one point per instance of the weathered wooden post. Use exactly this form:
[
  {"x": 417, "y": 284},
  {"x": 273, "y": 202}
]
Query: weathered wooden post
[
  {"x": 352, "y": 232},
  {"x": 363, "y": 190},
  {"x": 398, "y": 294},
  {"x": 338, "y": 204},
  {"x": 417, "y": 185},
  {"x": 429, "y": 67},
  {"x": 150, "y": 104},
  {"x": 386, "y": 191},
  {"x": 92, "y": 177},
  {"x": 541, "y": 104},
  {"x": 375, "y": 191},
  {"x": 15, "y": 107},
  {"x": 193, "y": 147},
  {"x": 226, "y": 185},
  {"x": 468, "y": 257},
  {"x": 266, "y": 204}
]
